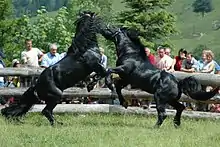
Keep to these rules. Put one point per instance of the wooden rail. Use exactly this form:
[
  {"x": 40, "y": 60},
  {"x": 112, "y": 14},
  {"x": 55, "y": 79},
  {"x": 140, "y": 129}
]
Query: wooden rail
[
  {"x": 203, "y": 78},
  {"x": 102, "y": 93}
]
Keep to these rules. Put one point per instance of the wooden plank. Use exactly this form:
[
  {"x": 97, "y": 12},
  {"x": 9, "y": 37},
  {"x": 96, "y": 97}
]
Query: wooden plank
[
  {"x": 204, "y": 79},
  {"x": 103, "y": 93},
  {"x": 105, "y": 108}
]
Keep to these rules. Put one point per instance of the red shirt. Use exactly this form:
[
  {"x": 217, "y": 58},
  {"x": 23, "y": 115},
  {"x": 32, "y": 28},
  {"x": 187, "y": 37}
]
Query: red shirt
[
  {"x": 151, "y": 59},
  {"x": 178, "y": 64}
]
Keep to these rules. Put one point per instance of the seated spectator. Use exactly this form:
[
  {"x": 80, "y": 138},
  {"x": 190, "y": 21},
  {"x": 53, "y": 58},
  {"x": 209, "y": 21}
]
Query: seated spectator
[
  {"x": 150, "y": 56},
  {"x": 209, "y": 65},
  {"x": 167, "y": 51},
  {"x": 190, "y": 64},
  {"x": 177, "y": 61},
  {"x": 162, "y": 61},
  {"x": 51, "y": 57},
  {"x": 202, "y": 61}
]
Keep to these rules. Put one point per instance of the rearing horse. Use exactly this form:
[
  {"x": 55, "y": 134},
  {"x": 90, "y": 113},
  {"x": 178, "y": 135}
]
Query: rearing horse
[
  {"x": 134, "y": 68},
  {"x": 83, "y": 58}
]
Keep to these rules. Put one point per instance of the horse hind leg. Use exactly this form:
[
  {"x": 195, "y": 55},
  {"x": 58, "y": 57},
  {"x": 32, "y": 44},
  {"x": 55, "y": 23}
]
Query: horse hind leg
[
  {"x": 160, "y": 106},
  {"x": 179, "y": 109},
  {"x": 51, "y": 103},
  {"x": 119, "y": 84}
]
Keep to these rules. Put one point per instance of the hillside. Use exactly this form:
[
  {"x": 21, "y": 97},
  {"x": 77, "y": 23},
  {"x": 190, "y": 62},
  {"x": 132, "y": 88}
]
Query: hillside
[{"x": 194, "y": 29}]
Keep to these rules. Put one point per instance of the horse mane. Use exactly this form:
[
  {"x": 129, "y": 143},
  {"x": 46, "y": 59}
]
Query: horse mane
[
  {"x": 85, "y": 34},
  {"x": 133, "y": 36}
]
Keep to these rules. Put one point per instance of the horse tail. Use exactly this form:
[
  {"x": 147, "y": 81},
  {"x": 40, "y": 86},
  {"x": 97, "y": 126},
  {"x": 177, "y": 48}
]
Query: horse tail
[
  {"x": 192, "y": 88},
  {"x": 27, "y": 100}
]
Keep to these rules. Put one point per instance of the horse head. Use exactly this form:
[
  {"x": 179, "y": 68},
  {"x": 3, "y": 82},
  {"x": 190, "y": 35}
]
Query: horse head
[{"x": 85, "y": 33}]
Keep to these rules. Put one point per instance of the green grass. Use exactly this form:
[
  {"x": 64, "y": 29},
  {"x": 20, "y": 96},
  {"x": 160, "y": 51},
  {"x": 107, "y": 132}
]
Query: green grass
[{"x": 102, "y": 130}]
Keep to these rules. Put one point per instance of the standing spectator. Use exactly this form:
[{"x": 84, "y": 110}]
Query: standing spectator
[
  {"x": 177, "y": 61},
  {"x": 51, "y": 57},
  {"x": 104, "y": 57},
  {"x": 162, "y": 61},
  {"x": 2, "y": 65},
  {"x": 31, "y": 56},
  {"x": 190, "y": 64},
  {"x": 150, "y": 56}
]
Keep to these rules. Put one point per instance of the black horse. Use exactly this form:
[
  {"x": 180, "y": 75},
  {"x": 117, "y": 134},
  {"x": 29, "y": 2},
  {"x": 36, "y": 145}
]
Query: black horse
[
  {"x": 134, "y": 68},
  {"x": 83, "y": 57}
]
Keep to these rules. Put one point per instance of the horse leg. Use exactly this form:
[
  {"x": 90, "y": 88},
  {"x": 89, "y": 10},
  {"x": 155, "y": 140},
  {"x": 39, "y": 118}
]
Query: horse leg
[
  {"x": 179, "y": 109},
  {"x": 160, "y": 105},
  {"x": 119, "y": 84},
  {"x": 51, "y": 101}
]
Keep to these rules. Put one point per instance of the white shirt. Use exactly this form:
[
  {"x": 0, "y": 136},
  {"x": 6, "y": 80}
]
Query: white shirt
[
  {"x": 30, "y": 57},
  {"x": 1, "y": 78}
]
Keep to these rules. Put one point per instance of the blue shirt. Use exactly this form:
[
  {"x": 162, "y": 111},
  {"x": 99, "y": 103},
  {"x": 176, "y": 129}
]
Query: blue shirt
[
  {"x": 217, "y": 67},
  {"x": 104, "y": 60},
  {"x": 49, "y": 59}
]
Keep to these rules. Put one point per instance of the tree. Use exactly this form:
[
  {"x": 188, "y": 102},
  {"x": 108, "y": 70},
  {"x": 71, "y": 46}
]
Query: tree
[
  {"x": 202, "y": 6},
  {"x": 150, "y": 19}
]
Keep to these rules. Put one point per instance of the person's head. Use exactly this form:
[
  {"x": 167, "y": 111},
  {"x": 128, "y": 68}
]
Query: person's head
[
  {"x": 16, "y": 63},
  {"x": 161, "y": 52},
  {"x": 28, "y": 43},
  {"x": 101, "y": 50},
  {"x": 189, "y": 57},
  {"x": 53, "y": 49},
  {"x": 167, "y": 51},
  {"x": 147, "y": 51},
  {"x": 209, "y": 55},
  {"x": 182, "y": 53}
]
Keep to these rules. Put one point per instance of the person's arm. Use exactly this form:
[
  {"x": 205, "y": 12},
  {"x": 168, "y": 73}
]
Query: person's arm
[
  {"x": 210, "y": 69},
  {"x": 105, "y": 61},
  {"x": 44, "y": 62},
  {"x": 24, "y": 57},
  {"x": 40, "y": 55}
]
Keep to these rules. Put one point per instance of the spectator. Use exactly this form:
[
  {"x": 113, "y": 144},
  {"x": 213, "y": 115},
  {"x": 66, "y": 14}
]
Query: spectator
[
  {"x": 31, "y": 56},
  {"x": 51, "y": 57},
  {"x": 162, "y": 61},
  {"x": 150, "y": 56},
  {"x": 202, "y": 61},
  {"x": 209, "y": 65},
  {"x": 190, "y": 64},
  {"x": 104, "y": 58},
  {"x": 2, "y": 65},
  {"x": 167, "y": 51},
  {"x": 177, "y": 61}
]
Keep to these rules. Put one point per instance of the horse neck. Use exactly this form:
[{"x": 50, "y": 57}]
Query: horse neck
[
  {"x": 84, "y": 40},
  {"x": 124, "y": 45}
]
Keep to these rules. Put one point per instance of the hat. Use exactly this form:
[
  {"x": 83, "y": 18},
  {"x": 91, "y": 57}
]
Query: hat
[{"x": 15, "y": 61}]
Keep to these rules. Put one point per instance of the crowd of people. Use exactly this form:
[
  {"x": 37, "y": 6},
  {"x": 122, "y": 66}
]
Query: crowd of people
[{"x": 184, "y": 61}]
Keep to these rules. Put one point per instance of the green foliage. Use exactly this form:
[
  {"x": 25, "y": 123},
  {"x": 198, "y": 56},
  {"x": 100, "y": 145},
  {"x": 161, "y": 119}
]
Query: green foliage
[
  {"x": 31, "y": 6},
  {"x": 202, "y": 6},
  {"x": 150, "y": 18}
]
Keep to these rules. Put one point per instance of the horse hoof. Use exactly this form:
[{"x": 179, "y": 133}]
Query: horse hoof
[{"x": 125, "y": 104}]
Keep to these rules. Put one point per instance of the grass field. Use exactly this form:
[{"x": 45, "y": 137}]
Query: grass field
[{"x": 102, "y": 130}]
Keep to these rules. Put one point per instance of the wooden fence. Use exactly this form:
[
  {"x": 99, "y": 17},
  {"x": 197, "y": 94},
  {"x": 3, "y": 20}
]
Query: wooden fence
[{"x": 104, "y": 93}]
